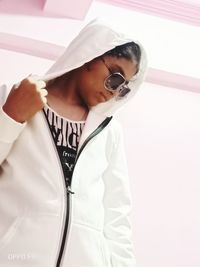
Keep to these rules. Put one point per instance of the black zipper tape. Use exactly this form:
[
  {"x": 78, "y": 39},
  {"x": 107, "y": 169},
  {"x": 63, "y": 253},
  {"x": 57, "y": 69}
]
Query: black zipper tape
[{"x": 68, "y": 190}]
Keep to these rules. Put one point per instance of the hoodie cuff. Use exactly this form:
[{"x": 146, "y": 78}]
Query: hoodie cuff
[{"x": 10, "y": 129}]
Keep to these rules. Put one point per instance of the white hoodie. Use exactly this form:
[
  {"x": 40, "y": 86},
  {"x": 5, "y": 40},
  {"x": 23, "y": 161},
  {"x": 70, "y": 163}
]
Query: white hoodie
[{"x": 42, "y": 223}]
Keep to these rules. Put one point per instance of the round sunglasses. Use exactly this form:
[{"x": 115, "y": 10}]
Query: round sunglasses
[{"x": 116, "y": 82}]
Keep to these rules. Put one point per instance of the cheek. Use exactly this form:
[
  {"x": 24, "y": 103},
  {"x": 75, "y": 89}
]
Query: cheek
[
  {"x": 87, "y": 91},
  {"x": 92, "y": 83}
]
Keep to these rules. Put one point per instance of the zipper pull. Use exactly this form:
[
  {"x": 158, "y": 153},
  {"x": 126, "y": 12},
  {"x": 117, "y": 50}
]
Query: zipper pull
[{"x": 69, "y": 190}]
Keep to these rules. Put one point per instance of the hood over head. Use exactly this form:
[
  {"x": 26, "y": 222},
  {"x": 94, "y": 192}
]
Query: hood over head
[{"x": 93, "y": 40}]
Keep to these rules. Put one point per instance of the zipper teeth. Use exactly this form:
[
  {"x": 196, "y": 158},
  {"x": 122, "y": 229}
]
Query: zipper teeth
[
  {"x": 69, "y": 192},
  {"x": 65, "y": 188},
  {"x": 99, "y": 129},
  {"x": 65, "y": 232},
  {"x": 63, "y": 244}
]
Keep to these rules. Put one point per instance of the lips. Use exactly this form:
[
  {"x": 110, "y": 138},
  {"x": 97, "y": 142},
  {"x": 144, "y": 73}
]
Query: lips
[{"x": 108, "y": 96}]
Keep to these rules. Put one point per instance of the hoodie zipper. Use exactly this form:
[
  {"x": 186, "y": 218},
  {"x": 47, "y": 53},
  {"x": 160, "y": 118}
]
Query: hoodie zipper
[
  {"x": 68, "y": 186},
  {"x": 69, "y": 192},
  {"x": 65, "y": 215}
]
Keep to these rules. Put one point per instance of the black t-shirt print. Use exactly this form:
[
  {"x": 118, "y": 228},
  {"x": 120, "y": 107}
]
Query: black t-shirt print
[{"x": 66, "y": 135}]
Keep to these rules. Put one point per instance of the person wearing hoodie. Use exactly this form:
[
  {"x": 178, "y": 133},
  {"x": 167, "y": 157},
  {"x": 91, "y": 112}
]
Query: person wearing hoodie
[{"x": 64, "y": 186}]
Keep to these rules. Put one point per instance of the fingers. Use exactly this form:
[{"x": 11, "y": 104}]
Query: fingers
[
  {"x": 43, "y": 94},
  {"x": 40, "y": 87},
  {"x": 35, "y": 80},
  {"x": 44, "y": 99}
]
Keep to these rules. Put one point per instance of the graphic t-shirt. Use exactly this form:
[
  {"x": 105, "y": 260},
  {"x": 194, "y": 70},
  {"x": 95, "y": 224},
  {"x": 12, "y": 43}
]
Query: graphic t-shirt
[{"x": 66, "y": 134}]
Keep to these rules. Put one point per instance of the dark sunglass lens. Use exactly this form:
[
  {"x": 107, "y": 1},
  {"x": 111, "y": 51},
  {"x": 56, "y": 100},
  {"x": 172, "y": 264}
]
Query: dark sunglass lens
[
  {"x": 124, "y": 92},
  {"x": 114, "y": 81}
]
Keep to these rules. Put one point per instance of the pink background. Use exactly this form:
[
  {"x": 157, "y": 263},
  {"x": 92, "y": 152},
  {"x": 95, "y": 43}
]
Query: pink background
[{"x": 161, "y": 124}]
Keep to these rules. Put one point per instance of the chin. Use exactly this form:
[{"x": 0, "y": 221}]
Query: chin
[{"x": 95, "y": 102}]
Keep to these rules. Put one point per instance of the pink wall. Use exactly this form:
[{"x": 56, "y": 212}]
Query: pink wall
[
  {"x": 47, "y": 8},
  {"x": 161, "y": 129},
  {"x": 185, "y": 11}
]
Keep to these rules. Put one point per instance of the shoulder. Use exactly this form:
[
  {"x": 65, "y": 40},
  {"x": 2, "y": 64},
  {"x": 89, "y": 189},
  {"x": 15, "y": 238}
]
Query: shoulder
[
  {"x": 116, "y": 124},
  {"x": 116, "y": 130}
]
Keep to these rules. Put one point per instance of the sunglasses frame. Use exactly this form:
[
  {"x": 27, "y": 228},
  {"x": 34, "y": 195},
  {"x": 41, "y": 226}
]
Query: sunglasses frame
[{"x": 121, "y": 88}]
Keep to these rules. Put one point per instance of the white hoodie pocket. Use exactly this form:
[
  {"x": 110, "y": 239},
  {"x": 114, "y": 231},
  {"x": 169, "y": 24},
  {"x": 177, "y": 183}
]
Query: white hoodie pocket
[
  {"x": 85, "y": 247},
  {"x": 10, "y": 232}
]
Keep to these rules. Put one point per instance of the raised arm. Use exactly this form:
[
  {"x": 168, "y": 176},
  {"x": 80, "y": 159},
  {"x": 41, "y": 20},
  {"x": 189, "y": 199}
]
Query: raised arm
[{"x": 17, "y": 106}]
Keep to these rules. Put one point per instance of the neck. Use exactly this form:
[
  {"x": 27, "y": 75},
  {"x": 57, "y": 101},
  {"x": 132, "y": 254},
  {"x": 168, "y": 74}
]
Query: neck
[
  {"x": 63, "y": 97},
  {"x": 65, "y": 91}
]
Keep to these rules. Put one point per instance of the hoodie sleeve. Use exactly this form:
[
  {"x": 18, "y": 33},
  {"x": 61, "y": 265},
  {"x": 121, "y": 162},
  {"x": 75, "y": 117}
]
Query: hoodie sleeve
[
  {"x": 9, "y": 128},
  {"x": 118, "y": 205}
]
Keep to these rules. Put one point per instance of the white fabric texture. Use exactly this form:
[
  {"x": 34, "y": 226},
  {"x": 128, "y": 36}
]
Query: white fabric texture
[{"x": 32, "y": 190}]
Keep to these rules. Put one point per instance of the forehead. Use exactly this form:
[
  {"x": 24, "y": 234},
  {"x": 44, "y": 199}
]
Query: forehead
[{"x": 127, "y": 67}]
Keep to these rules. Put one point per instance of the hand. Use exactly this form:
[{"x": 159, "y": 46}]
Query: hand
[{"x": 26, "y": 99}]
